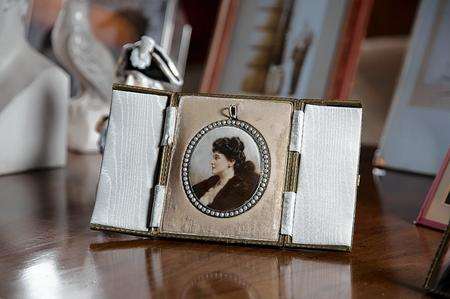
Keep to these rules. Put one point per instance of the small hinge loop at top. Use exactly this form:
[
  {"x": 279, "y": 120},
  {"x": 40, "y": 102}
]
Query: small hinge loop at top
[{"x": 232, "y": 111}]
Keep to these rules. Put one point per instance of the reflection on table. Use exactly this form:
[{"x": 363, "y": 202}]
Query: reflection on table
[{"x": 47, "y": 249}]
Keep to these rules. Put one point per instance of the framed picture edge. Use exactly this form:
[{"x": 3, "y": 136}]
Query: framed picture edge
[
  {"x": 342, "y": 71},
  {"x": 430, "y": 195},
  {"x": 391, "y": 149},
  {"x": 352, "y": 36},
  {"x": 219, "y": 47},
  {"x": 434, "y": 264}
]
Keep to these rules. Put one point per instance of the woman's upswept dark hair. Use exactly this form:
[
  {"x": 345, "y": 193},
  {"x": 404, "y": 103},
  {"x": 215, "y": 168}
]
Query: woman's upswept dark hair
[{"x": 233, "y": 149}]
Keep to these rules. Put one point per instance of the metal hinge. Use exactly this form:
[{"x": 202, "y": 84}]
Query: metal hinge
[
  {"x": 158, "y": 204},
  {"x": 295, "y": 144},
  {"x": 287, "y": 217},
  {"x": 169, "y": 126}
]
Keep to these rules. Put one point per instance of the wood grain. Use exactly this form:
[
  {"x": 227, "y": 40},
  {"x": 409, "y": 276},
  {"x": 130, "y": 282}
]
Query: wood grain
[{"x": 48, "y": 251}]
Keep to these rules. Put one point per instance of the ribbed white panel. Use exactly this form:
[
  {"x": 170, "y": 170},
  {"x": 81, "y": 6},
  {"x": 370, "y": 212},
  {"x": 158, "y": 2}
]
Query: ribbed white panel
[
  {"x": 129, "y": 160},
  {"x": 326, "y": 194}
]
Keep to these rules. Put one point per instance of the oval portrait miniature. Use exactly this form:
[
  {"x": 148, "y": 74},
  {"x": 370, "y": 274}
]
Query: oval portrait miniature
[{"x": 226, "y": 168}]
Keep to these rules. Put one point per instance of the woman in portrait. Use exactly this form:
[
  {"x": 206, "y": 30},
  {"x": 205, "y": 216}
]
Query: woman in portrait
[{"x": 234, "y": 179}]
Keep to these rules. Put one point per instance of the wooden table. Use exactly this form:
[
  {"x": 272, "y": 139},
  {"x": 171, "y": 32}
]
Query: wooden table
[{"x": 48, "y": 251}]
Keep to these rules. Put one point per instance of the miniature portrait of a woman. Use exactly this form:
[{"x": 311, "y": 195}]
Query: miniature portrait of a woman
[{"x": 233, "y": 179}]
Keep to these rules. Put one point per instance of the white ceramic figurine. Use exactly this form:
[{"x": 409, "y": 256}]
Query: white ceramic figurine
[
  {"x": 77, "y": 49},
  {"x": 33, "y": 99}
]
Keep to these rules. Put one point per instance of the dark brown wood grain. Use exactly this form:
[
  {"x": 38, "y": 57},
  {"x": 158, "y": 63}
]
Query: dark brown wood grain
[{"x": 48, "y": 251}]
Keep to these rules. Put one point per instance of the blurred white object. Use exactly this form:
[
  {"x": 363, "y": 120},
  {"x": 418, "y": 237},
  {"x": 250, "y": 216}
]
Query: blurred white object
[
  {"x": 84, "y": 114},
  {"x": 141, "y": 55},
  {"x": 416, "y": 135},
  {"x": 33, "y": 99},
  {"x": 91, "y": 63},
  {"x": 146, "y": 64}
]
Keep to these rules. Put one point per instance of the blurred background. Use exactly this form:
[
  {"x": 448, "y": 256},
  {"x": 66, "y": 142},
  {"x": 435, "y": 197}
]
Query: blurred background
[
  {"x": 115, "y": 23},
  {"x": 346, "y": 49}
]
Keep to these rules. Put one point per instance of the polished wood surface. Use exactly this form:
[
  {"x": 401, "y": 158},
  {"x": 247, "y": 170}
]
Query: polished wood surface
[{"x": 48, "y": 251}]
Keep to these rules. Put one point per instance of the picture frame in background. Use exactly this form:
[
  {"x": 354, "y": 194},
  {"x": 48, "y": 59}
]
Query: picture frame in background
[
  {"x": 218, "y": 51},
  {"x": 416, "y": 133},
  {"x": 435, "y": 210},
  {"x": 438, "y": 280},
  {"x": 290, "y": 48}
]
